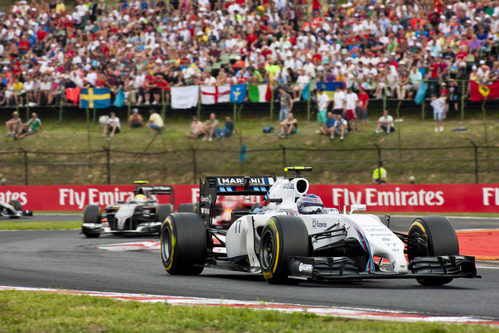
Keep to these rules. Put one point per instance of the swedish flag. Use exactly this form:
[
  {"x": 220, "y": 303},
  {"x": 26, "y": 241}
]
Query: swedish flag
[{"x": 95, "y": 98}]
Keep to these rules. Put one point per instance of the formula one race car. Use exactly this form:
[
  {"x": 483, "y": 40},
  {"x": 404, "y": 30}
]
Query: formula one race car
[
  {"x": 13, "y": 209},
  {"x": 292, "y": 235},
  {"x": 140, "y": 214}
]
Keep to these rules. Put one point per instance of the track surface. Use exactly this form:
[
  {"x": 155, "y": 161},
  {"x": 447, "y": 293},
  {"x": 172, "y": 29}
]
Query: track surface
[{"x": 66, "y": 259}]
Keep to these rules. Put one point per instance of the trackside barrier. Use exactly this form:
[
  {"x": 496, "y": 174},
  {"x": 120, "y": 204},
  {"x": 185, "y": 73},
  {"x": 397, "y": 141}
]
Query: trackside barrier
[
  {"x": 467, "y": 163},
  {"x": 464, "y": 198}
]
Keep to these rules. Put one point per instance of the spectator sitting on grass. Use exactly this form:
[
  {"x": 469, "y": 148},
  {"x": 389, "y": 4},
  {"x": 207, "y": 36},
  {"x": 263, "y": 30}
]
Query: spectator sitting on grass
[
  {"x": 197, "y": 128},
  {"x": 135, "y": 120},
  {"x": 288, "y": 126},
  {"x": 113, "y": 125},
  {"x": 209, "y": 127},
  {"x": 31, "y": 127},
  {"x": 225, "y": 132},
  {"x": 385, "y": 122},
  {"x": 155, "y": 123},
  {"x": 340, "y": 127},
  {"x": 327, "y": 128},
  {"x": 14, "y": 124}
]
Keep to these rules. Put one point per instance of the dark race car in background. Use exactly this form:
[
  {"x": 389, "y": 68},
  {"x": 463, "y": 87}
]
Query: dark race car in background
[{"x": 13, "y": 209}]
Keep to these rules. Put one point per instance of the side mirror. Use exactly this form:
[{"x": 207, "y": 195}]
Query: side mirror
[{"x": 357, "y": 208}]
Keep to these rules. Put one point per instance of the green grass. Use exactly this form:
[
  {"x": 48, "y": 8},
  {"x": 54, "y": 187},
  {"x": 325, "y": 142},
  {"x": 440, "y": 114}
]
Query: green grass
[
  {"x": 41, "y": 312},
  {"x": 168, "y": 158},
  {"x": 21, "y": 225}
]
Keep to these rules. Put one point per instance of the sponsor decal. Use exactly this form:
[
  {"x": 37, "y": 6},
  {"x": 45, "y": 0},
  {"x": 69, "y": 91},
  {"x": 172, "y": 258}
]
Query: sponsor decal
[{"x": 305, "y": 268}]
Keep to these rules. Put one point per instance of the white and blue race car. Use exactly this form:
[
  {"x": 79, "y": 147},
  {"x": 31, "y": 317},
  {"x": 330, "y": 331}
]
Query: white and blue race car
[{"x": 292, "y": 235}]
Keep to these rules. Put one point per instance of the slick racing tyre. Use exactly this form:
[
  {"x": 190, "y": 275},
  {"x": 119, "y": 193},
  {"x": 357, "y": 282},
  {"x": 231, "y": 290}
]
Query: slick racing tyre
[
  {"x": 162, "y": 212},
  {"x": 16, "y": 204},
  {"x": 187, "y": 208},
  {"x": 432, "y": 236},
  {"x": 91, "y": 214},
  {"x": 282, "y": 237},
  {"x": 184, "y": 244}
]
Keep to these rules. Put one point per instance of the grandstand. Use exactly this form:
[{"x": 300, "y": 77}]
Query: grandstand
[{"x": 147, "y": 48}]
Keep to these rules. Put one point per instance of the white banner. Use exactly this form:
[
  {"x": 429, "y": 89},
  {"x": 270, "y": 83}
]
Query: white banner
[
  {"x": 185, "y": 97},
  {"x": 215, "y": 94}
]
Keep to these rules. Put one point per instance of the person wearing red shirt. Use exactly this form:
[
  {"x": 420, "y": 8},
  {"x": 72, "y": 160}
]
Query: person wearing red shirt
[{"x": 363, "y": 102}]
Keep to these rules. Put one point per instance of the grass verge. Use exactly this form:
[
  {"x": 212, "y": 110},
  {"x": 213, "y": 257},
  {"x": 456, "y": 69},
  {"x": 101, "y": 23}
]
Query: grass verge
[
  {"x": 21, "y": 225},
  {"x": 169, "y": 158},
  {"x": 41, "y": 312}
]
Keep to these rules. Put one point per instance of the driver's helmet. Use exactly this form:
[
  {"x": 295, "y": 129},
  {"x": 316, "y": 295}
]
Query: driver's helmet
[
  {"x": 310, "y": 204},
  {"x": 140, "y": 198}
]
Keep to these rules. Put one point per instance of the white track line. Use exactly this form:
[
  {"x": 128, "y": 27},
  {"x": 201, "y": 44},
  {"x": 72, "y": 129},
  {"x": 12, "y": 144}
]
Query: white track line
[{"x": 353, "y": 313}]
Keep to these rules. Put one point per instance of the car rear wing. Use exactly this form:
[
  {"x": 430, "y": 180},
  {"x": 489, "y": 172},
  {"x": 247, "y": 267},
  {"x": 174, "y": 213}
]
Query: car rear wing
[
  {"x": 149, "y": 190},
  {"x": 232, "y": 185}
]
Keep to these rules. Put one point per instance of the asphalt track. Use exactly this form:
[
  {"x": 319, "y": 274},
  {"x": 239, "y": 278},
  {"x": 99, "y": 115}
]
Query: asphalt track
[{"x": 66, "y": 259}]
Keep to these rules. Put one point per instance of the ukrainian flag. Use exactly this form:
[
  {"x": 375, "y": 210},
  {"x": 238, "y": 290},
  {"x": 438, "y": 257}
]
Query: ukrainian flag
[
  {"x": 95, "y": 98},
  {"x": 329, "y": 88}
]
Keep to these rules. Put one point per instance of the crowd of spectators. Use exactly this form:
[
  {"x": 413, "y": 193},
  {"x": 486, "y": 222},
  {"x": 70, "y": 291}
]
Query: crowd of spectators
[{"x": 148, "y": 46}]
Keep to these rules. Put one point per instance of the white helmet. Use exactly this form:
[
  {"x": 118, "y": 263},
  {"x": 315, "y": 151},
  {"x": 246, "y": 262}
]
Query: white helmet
[{"x": 310, "y": 204}]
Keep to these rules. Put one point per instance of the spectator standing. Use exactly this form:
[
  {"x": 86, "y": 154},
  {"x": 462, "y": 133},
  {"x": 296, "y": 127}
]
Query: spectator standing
[
  {"x": 14, "y": 124},
  {"x": 286, "y": 103},
  {"x": 363, "y": 104},
  {"x": 385, "y": 123},
  {"x": 439, "y": 108},
  {"x": 197, "y": 128},
  {"x": 380, "y": 174},
  {"x": 135, "y": 120},
  {"x": 338, "y": 101},
  {"x": 322, "y": 104},
  {"x": 288, "y": 126},
  {"x": 351, "y": 100},
  {"x": 31, "y": 127},
  {"x": 113, "y": 125},
  {"x": 155, "y": 123},
  {"x": 210, "y": 127}
]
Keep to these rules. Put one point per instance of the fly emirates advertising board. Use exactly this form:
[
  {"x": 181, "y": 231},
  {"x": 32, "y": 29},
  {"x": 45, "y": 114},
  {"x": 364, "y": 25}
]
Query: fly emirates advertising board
[{"x": 465, "y": 198}]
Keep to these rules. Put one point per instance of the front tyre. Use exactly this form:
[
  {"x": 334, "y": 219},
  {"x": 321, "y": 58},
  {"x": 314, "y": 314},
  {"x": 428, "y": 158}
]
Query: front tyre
[
  {"x": 432, "y": 236},
  {"x": 91, "y": 214},
  {"x": 184, "y": 244},
  {"x": 282, "y": 237}
]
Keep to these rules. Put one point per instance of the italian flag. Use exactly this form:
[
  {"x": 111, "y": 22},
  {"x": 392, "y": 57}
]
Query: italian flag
[{"x": 259, "y": 93}]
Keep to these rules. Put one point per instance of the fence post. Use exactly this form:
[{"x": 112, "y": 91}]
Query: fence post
[
  {"x": 25, "y": 153},
  {"x": 61, "y": 109},
  {"x": 378, "y": 149},
  {"x": 308, "y": 102},
  {"x": 194, "y": 166},
  {"x": 271, "y": 104},
  {"x": 422, "y": 109},
  {"x": 284, "y": 162},
  {"x": 163, "y": 104},
  {"x": 462, "y": 101},
  {"x": 475, "y": 147},
  {"x": 108, "y": 164}
]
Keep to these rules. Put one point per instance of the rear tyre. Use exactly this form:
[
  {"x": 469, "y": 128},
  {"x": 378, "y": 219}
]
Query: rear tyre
[
  {"x": 187, "y": 208},
  {"x": 435, "y": 236},
  {"x": 91, "y": 214},
  {"x": 282, "y": 237},
  {"x": 16, "y": 204},
  {"x": 184, "y": 244},
  {"x": 162, "y": 212}
]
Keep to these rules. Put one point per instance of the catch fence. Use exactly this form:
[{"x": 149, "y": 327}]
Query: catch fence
[{"x": 460, "y": 164}]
